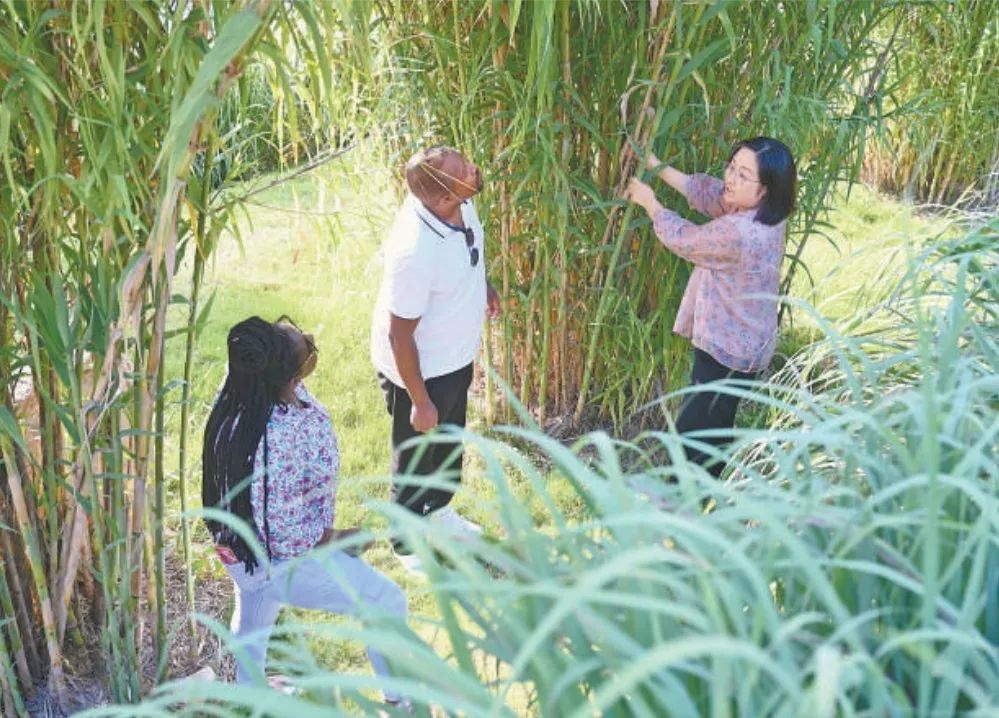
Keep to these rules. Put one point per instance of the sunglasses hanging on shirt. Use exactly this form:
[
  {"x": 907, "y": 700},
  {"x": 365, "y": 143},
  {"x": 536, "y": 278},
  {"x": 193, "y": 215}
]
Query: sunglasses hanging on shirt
[{"x": 473, "y": 251}]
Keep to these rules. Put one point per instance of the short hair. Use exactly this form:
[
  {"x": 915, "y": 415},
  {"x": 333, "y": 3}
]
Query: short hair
[
  {"x": 777, "y": 174},
  {"x": 425, "y": 174}
]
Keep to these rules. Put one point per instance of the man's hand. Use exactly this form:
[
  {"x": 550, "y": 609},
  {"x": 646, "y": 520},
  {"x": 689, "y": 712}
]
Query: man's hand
[
  {"x": 652, "y": 162},
  {"x": 423, "y": 416},
  {"x": 493, "y": 307}
]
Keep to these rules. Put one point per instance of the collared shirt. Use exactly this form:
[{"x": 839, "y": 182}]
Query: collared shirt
[
  {"x": 303, "y": 462},
  {"x": 429, "y": 276},
  {"x": 729, "y": 308}
]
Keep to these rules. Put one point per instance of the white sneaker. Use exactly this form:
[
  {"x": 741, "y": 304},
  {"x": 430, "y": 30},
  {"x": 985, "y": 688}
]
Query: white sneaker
[
  {"x": 458, "y": 526},
  {"x": 412, "y": 563},
  {"x": 283, "y": 684}
]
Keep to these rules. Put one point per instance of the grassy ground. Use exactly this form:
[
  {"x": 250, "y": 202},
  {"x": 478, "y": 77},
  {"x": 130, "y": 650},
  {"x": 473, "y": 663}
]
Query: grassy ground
[
  {"x": 867, "y": 241},
  {"x": 309, "y": 249},
  {"x": 852, "y": 260}
]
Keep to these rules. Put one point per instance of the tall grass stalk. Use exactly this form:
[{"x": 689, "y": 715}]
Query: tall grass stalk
[{"x": 107, "y": 108}]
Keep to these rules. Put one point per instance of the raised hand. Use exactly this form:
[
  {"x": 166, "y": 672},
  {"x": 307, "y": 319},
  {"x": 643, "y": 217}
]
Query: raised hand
[{"x": 638, "y": 192}]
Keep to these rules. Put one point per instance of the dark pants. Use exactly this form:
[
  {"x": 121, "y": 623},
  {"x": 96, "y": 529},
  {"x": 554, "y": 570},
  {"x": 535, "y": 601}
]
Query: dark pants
[
  {"x": 449, "y": 393},
  {"x": 709, "y": 409}
]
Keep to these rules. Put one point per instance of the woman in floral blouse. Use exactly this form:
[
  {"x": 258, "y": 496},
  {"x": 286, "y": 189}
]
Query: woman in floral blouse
[
  {"x": 729, "y": 309},
  {"x": 271, "y": 460}
]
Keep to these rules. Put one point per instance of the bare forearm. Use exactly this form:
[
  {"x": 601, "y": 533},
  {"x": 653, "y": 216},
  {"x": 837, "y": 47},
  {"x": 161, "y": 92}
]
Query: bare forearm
[
  {"x": 407, "y": 363},
  {"x": 402, "y": 337},
  {"x": 674, "y": 178},
  {"x": 651, "y": 207}
]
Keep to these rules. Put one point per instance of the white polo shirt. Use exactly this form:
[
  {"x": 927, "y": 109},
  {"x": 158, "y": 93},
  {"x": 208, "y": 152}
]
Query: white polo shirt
[{"x": 429, "y": 275}]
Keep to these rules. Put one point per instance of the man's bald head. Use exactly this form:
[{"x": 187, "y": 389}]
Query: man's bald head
[{"x": 439, "y": 172}]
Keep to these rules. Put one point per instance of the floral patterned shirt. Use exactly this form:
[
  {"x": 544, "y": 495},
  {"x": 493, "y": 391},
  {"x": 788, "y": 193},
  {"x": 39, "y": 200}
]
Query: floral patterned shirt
[
  {"x": 303, "y": 464},
  {"x": 729, "y": 308}
]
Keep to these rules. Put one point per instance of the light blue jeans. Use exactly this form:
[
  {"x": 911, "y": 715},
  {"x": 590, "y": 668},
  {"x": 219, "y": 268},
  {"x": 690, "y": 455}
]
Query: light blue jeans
[{"x": 322, "y": 579}]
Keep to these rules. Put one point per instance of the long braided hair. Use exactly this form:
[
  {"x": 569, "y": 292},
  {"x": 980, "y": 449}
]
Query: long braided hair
[{"x": 261, "y": 363}]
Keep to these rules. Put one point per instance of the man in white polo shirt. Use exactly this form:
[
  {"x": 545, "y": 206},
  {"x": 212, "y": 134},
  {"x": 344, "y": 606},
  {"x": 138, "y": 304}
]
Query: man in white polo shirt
[{"x": 427, "y": 327}]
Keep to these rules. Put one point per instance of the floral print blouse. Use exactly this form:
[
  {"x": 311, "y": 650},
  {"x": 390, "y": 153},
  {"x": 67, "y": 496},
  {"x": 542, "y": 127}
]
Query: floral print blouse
[
  {"x": 302, "y": 468},
  {"x": 729, "y": 308}
]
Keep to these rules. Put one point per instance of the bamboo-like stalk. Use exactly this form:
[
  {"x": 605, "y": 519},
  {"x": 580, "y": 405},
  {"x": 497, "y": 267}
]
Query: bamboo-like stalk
[
  {"x": 543, "y": 363},
  {"x": 76, "y": 528},
  {"x": 22, "y": 622},
  {"x": 531, "y": 311},
  {"x": 76, "y": 538},
  {"x": 157, "y": 518},
  {"x": 108, "y": 550},
  {"x": 506, "y": 329},
  {"x": 501, "y": 142},
  {"x": 12, "y": 703},
  {"x": 201, "y": 250},
  {"x": 14, "y": 640},
  {"x": 47, "y": 429},
  {"x": 30, "y": 536},
  {"x": 134, "y": 566},
  {"x": 197, "y": 276},
  {"x": 561, "y": 312},
  {"x": 656, "y": 68}
]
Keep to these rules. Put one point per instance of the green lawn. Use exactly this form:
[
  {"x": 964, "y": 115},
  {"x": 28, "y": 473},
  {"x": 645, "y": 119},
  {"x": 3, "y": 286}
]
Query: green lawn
[
  {"x": 865, "y": 243},
  {"x": 309, "y": 249}
]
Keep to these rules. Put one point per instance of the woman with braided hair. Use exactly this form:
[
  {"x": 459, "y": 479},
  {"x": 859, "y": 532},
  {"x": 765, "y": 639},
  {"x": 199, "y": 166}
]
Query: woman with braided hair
[{"x": 270, "y": 460}]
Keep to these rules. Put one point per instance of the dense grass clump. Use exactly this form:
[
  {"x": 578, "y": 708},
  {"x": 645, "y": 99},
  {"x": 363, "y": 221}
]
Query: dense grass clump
[{"x": 938, "y": 142}]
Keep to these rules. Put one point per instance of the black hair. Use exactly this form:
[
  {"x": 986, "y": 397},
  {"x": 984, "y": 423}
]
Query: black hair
[
  {"x": 262, "y": 360},
  {"x": 778, "y": 176}
]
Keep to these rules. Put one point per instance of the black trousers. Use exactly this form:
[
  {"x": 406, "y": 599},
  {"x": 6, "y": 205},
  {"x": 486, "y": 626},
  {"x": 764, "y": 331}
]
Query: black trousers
[
  {"x": 709, "y": 409},
  {"x": 449, "y": 393}
]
